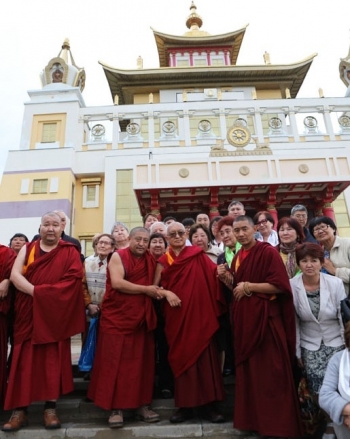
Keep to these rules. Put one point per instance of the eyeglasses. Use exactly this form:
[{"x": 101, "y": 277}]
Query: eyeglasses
[
  {"x": 322, "y": 228},
  {"x": 104, "y": 243},
  {"x": 262, "y": 222},
  {"x": 180, "y": 233}
]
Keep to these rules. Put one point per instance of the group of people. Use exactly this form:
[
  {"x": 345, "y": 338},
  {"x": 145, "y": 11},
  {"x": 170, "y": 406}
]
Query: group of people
[{"x": 230, "y": 293}]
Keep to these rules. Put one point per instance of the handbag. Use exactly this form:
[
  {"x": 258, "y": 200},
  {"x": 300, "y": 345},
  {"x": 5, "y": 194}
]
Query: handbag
[
  {"x": 87, "y": 355},
  {"x": 345, "y": 310}
]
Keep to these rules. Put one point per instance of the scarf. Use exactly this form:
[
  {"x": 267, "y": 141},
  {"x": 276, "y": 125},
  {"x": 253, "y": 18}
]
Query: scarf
[
  {"x": 291, "y": 264},
  {"x": 344, "y": 375},
  {"x": 229, "y": 255}
]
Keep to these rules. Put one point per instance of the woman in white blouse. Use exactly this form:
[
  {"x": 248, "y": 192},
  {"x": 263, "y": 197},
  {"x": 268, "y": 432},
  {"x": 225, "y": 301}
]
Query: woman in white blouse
[{"x": 319, "y": 325}]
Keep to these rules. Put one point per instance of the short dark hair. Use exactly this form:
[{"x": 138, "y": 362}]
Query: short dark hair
[
  {"x": 309, "y": 249},
  {"x": 18, "y": 235},
  {"x": 291, "y": 222},
  {"x": 214, "y": 220},
  {"x": 244, "y": 218},
  {"x": 188, "y": 222},
  {"x": 157, "y": 235},
  {"x": 194, "y": 229},
  {"x": 322, "y": 220},
  {"x": 167, "y": 218},
  {"x": 267, "y": 214}
]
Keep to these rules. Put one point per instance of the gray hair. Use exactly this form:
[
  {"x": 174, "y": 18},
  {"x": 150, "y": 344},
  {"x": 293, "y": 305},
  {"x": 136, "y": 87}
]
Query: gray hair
[
  {"x": 119, "y": 224},
  {"x": 297, "y": 208},
  {"x": 234, "y": 202}
]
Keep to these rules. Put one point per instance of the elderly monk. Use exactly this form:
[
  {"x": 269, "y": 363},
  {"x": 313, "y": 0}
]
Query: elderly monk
[
  {"x": 7, "y": 258},
  {"x": 49, "y": 309},
  {"x": 123, "y": 373},
  {"x": 264, "y": 338},
  {"x": 193, "y": 356}
]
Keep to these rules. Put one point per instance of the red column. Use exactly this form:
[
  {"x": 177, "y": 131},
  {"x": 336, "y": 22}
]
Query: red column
[
  {"x": 214, "y": 203},
  {"x": 273, "y": 212},
  {"x": 328, "y": 210},
  {"x": 271, "y": 205}
]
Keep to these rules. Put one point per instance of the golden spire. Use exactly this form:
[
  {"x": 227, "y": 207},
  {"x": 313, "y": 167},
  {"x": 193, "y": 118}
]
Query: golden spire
[{"x": 194, "y": 21}]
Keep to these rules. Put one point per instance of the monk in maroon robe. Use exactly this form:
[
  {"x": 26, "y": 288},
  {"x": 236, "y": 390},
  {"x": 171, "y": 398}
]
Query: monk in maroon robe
[
  {"x": 123, "y": 372},
  {"x": 191, "y": 275},
  {"x": 7, "y": 258},
  {"x": 264, "y": 339},
  {"x": 49, "y": 309}
]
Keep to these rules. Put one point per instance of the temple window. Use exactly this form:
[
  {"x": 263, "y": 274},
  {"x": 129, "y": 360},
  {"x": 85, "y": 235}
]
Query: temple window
[
  {"x": 91, "y": 192},
  {"x": 40, "y": 186},
  {"x": 49, "y": 132}
]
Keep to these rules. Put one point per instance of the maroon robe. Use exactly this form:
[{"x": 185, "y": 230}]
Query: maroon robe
[
  {"x": 123, "y": 372},
  {"x": 41, "y": 365},
  {"x": 7, "y": 258},
  {"x": 189, "y": 329},
  {"x": 264, "y": 341}
]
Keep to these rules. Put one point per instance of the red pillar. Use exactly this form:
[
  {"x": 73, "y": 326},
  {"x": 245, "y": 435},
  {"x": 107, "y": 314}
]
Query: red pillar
[
  {"x": 271, "y": 205},
  {"x": 328, "y": 210},
  {"x": 273, "y": 212},
  {"x": 214, "y": 203}
]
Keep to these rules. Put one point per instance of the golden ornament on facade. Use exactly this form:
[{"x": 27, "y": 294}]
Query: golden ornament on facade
[{"x": 239, "y": 136}]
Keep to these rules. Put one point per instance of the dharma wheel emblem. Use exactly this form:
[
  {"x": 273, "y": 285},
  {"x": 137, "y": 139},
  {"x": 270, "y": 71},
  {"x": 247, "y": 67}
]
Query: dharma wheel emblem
[
  {"x": 133, "y": 128},
  {"x": 239, "y": 136},
  {"x": 275, "y": 123},
  {"x": 344, "y": 121},
  {"x": 98, "y": 130}
]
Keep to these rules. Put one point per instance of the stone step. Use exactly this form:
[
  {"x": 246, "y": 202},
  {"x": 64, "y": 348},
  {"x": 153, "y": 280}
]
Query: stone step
[{"x": 139, "y": 430}]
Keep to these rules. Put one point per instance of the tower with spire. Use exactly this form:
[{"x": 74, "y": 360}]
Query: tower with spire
[{"x": 183, "y": 138}]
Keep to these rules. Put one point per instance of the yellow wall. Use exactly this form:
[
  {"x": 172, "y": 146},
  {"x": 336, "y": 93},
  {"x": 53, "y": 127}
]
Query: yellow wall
[
  {"x": 37, "y": 127},
  {"x": 143, "y": 98},
  {"x": 127, "y": 210},
  {"x": 11, "y": 186},
  {"x": 268, "y": 94},
  {"x": 88, "y": 221},
  {"x": 342, "y": 216}
]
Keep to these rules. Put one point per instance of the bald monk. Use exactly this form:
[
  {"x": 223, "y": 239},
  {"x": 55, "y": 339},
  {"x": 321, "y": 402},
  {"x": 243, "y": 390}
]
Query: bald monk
[
  {"x": 123, "y": 372},
  {"x": 49, "y": 309}
]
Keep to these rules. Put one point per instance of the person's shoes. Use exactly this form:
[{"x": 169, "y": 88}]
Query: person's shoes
[
  {"x": 116, "y": 419},
  {"x": 181, "y": 415},
  {"x": 166, "y": 394},
  {"x": 213, "y": 416},
  {"x": 227, "y": 372},
  {"x": 18, "y": 420},
  {"x": 51, "y": 420},
  {"x": 146, "y": 414}
]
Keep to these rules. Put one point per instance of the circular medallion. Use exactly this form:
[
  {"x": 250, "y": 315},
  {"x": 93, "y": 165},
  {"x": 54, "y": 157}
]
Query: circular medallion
[
  {"x": 239, "y": 136},
  {"x": 168, "y": 127},
  {"x": 98, "y": 130},
  {"x": 344, "y": 121},
  {"x": 184, "y": 172},
  {"x": 240, "y": 122},
  {"x": 133, "y": 128},
  {"x": 204, "y": 126},
  {"x": 310, "y": 122},
  {"x": 275, "y": 123},
  {"x": 303, "y": 168},
  {"x": 244, "y": 170}
]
